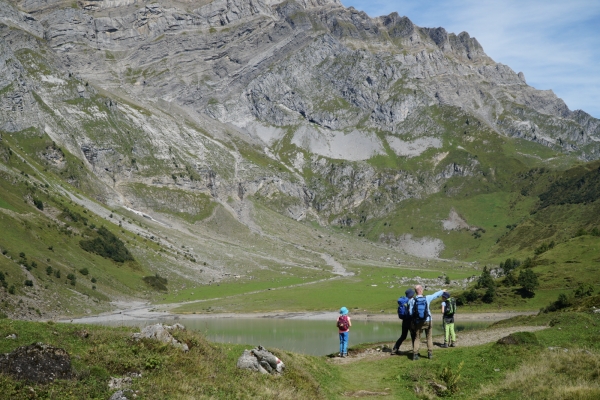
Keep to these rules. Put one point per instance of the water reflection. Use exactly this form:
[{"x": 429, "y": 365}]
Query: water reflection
[{"x": 301, "y": 336}]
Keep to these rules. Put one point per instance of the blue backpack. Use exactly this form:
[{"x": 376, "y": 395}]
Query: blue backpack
[
  {"x": 403, "y": 307},
  {"x": 420, "y": 310}
]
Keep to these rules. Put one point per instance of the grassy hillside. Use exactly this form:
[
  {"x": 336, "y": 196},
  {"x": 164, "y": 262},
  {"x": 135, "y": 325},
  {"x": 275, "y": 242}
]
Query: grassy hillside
[{"x": 559, "y": 362}]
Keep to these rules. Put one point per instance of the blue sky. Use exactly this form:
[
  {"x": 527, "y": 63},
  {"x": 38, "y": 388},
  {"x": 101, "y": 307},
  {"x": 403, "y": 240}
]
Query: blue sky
[{"x": 556, "y": 44}]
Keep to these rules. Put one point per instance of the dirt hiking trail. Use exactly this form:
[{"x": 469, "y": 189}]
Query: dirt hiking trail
[{"x": 466, "y": 339}]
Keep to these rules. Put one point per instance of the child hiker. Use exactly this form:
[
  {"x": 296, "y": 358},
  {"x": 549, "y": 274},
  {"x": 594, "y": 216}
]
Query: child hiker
[
  {"x": 448, "y": 310},
  {"x": 343, "y": 324}
]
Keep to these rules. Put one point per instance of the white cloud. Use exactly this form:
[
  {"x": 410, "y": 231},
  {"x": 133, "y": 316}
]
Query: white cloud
[{"x": 554, "y": 43}]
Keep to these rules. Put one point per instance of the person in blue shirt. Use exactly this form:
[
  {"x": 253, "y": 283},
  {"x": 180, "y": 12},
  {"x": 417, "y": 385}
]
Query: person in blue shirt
[{"x": 419, "y": 325}]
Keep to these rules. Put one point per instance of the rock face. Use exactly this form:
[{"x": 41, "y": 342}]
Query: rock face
[
  {"x": 38, "y": 362},
  {"x": 177, "y": 95},
  {"x": 261, "y": 360}
]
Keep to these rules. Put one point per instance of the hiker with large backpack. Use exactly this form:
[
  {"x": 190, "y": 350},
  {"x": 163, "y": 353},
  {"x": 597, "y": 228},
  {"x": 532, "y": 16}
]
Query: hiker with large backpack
[
  {"x": 419, "y": 310},
  {"x": 448, "y": 310},
  {"x": 343, "y": 324},
  {"x": 404, "y": 315}
]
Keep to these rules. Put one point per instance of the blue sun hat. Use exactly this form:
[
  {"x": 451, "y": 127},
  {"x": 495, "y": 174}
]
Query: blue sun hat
[{"x": 343, "y": 311}]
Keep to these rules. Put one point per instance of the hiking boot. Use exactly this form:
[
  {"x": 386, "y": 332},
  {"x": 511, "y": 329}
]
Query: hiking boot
[
  {"x": 453, "y": 344},
  {"x": 345, "y": 355},
  {"x": 415, "y": 357},
  {"x": 340, "y": 355},
  {"x": 394, "y": 352},
  {"x": 445, "y": 345},
  {"x": 430, "y": 355}
]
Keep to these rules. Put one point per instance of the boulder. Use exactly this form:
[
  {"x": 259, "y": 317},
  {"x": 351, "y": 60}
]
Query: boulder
[
  {"x": 122, "y": 395},
  {"x": 38, "y": 363},
  {"x": 162, "y": 333},
  {"x": 261, "y": 360}
]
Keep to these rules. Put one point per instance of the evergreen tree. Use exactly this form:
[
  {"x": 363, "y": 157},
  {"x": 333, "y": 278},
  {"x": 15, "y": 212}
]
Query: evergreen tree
[
  {"x": 485, "y": 280},
  {"x": 528, "y": 280}
]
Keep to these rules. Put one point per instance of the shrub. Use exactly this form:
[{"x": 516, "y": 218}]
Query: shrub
[
  {"x": 157, "y": 282},
  {"x": 84, "y": 271},
  {"x": 71, "y": 277},
  {"x": 528, "y": 263},
  {"x": 11, "y": 289},
  {"x": 509, "y": 265},
  {"x": 94, "y": 280},
  {"x": 38, "y": 203},
  {"x": 28, "y": 283},
  {"x": 451, "y": 378},
  {"x": 107, "y": 245},
  {"x": 49, "y": 270},
  {"x": 57, "y": 273},
  {"x": 584, "y": 290},
  {"x": 563, "y": 301},
  {"x": 2, "y": 277}
]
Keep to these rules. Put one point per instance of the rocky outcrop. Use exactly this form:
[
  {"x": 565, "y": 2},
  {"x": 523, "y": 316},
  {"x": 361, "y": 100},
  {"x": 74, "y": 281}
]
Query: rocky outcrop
[{"x": 308, "y": 84}]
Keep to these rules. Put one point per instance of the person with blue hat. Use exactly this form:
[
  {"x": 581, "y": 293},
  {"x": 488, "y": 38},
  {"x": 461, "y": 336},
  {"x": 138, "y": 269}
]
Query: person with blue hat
[{"x": 343, "y": 324}]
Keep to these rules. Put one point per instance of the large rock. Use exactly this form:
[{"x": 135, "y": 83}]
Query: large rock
[
  {"x": 261, "y": 360},
  {"x": 38, "y": 362},
  {"x": 162, "y": 333}
]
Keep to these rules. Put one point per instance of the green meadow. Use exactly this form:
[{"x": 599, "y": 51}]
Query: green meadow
[{"x": 560, "y": 361}]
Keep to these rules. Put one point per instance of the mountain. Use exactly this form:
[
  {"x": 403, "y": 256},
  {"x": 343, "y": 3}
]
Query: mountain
[{"x": 241, "y": 133}]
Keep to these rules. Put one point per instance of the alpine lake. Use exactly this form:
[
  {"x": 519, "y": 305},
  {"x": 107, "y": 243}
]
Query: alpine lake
[{"x": 314, "y": 337}]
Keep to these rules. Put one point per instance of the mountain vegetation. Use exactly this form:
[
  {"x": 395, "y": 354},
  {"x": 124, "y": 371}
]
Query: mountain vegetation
[{"x": 252, "y": 156}]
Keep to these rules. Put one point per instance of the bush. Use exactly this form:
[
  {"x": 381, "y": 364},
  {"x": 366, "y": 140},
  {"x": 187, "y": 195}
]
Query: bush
[
  {"x": 107, "y": 245},
  {"x": 94, "y": 280},
  {"x": 71, "y": 277},
  {"x": 584, "y": 290},
  {"x": 57, "y": 273},
  {"x": 28, "y": 283},
  {"x": 11, "y": 289},
  {"x": 157, "y": 282},
  {"x": 509, "y": 265},
  {"x": 49, "y": 270},
  {"x": 451, "y": 378},
  {"x": 84, "y": 271},
  {"x": 38, "y": 203}
]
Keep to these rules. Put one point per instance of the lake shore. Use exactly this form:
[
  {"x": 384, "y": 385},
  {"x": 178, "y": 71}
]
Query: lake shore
[{"x": 145, "y": 311}]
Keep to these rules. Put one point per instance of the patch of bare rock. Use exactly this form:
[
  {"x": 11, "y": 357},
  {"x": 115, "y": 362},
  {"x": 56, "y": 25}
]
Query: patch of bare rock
[{"x": 37, "y": 363}]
